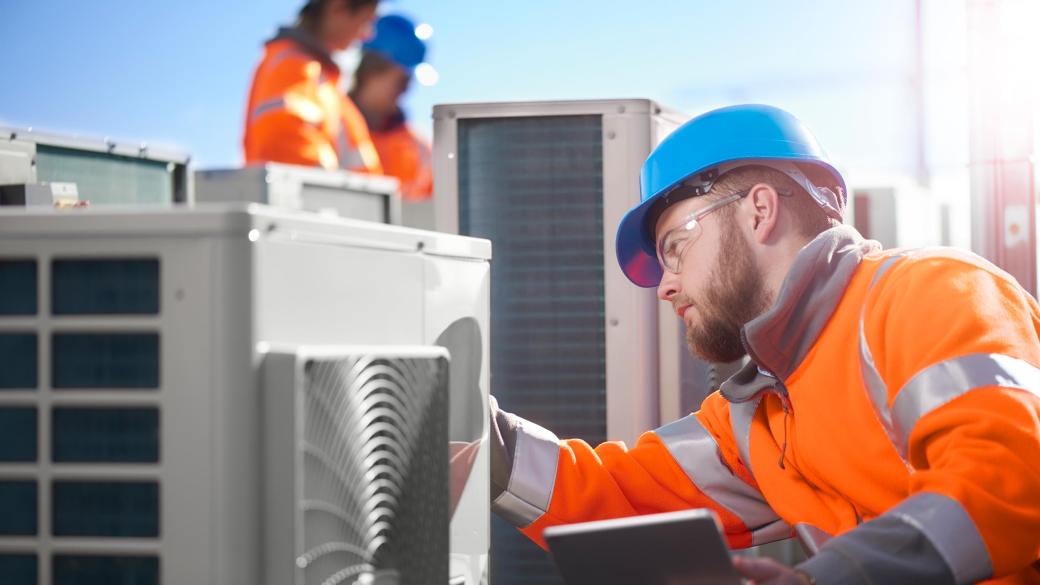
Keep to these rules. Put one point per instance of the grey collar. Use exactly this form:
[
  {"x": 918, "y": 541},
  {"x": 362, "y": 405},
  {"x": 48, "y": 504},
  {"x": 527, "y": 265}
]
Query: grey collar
[
  {"x": 778, "y": 340},
  {"x": 307, "y": 42}
]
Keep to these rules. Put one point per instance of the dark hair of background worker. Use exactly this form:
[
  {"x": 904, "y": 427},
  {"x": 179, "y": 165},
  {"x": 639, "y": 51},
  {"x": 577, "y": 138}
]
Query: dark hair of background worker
[{"x": 336, "y": 24}]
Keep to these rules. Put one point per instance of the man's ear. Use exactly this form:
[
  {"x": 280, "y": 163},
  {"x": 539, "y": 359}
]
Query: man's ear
[{"x": 764, "y": 209}]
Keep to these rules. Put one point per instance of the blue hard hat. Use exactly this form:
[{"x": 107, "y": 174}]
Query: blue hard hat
[
  {"x": 704, "y": 148},
  {"x": 395, "y": 39}
]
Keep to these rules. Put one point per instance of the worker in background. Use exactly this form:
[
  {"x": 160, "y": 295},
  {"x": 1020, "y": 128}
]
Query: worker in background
[
  {"x": 384, "y": 74},
  {"x": 890, "y": 410},
  {"x": 296, "y": 112}
]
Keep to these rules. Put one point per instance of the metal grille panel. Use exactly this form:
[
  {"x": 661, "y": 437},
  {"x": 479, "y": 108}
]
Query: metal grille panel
[
  {"x": 106, "y": 178},
  {"x": 375, "y": 495},
  {"x": 534, "y": 186}
]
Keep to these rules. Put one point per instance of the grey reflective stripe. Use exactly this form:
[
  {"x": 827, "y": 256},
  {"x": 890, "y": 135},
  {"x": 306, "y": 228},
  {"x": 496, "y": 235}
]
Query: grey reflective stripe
[
  {"x": 776, "y": 530},
  {"x": 940, "y": 383},
  {"x": 533, "y": 476},
  {"x": 951, "y": 531},
  {"x": 268, "y": 106},
  {"x": 740, "y": 415},
  {"x": 349, "y": 156},
  {"x": 811, "y": 537},
  {"x": 697, "y": 452},
  {"x": 877, "y": 391},
  {"x": 285, "y": 53}
]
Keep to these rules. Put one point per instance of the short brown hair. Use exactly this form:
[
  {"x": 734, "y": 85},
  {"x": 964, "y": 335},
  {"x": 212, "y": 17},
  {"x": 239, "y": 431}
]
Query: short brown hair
[
  {"x": 372, "y": 63},
  {"x": 808, "y": 216}
]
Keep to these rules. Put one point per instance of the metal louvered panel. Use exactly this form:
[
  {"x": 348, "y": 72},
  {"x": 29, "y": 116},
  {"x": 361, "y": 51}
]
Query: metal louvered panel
[
  {"x": 369, "y": 493},
  {"x": 534, "y": 186}
]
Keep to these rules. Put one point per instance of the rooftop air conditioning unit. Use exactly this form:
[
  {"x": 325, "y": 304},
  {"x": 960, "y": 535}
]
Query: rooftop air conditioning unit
[
  {"x": 576, "y": 347},
  {"x": 240, "y": 395},
  {"x": 103, "y": 171},
  {"x": 342, "y": 193}
]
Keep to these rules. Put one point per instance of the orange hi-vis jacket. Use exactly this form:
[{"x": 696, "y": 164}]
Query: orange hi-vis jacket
[
  {"x": 297, "y": 114},
  {"x": 406, "y": 156},
  {"x": 890, "y": 411}
]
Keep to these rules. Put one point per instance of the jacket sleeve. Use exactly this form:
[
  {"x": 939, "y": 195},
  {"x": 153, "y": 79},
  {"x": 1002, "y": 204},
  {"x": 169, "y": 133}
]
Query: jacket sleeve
[
  {"x": 286, "y": 118},
  {"x": 539, "y": 480},
  {"x": 955, "y": 345}
]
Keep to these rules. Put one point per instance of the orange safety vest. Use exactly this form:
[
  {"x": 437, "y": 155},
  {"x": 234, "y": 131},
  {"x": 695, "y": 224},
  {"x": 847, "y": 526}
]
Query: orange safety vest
[
  {"x": 406, "y": 156},
  {"x": 890, "y": 411},
  {"x": 296, "y": 113}
]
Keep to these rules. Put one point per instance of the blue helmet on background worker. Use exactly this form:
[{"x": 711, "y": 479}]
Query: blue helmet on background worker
[
  {"x": 704, "y": 148},
  {"x": 395, "y": 38}
]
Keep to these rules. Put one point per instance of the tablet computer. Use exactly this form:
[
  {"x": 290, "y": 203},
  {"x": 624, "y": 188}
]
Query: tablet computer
[{"x": 674, "y": 548}]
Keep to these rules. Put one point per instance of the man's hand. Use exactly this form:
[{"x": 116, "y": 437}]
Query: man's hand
[{"x": 768, "y": 572}]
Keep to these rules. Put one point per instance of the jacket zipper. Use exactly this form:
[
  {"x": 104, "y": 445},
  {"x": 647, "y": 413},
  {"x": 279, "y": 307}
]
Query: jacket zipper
[
  {"x": 785, "y": 402},
  {"x": 780, "y": 390}
]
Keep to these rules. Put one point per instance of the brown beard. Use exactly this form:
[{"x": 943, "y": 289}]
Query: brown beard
[{"x": 737, "y": 296}]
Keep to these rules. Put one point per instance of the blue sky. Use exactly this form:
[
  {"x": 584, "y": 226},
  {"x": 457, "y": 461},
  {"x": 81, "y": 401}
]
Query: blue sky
[{"x": 177, "y": 72}]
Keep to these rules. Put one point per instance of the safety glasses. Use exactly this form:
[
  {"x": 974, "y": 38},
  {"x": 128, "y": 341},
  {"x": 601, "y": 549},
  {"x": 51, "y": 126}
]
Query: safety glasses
[{"x": 673, "y": 244}]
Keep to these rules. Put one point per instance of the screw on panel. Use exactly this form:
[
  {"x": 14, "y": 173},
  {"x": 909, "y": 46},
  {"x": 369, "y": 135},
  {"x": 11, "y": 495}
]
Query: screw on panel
[
  {"x": 611, "y": 135},
  {"x": 621, "y": 109},
  {"x": 451, "y": 113},
  {"x": 614, "y": 322}
]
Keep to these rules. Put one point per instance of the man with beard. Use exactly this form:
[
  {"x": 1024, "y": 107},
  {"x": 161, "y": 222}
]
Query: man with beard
[{"x": 889, "y": 414}]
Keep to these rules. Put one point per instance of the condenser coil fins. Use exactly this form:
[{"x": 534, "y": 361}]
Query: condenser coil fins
[{"x": 366, "y": 434}]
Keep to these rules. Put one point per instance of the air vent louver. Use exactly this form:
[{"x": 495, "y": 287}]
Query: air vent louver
[{"x": 373, "y": 455}]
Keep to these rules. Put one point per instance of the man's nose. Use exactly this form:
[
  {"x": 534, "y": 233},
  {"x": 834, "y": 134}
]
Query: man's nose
[{"x": 668, "y": 287}]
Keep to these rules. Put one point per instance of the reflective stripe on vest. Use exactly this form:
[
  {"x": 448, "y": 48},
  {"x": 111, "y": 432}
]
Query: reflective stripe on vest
[
  {"x": 697, "y": 452},
  {"x": 277, "y": 103},
  {"x": 270, "y": 105},
  {"x": 285, "y": 53},
  {"x": 951, "y": 531},
  {"x": 811, "y": 537},
  {"x": 937, "y": 384},
  {"x": 531, "y": 480},
  {"x": 350, "y": 156},
  {"x": 940, "y": 383},
  {"x": 877, "y": 391},
  {"x": 302, "y": 108},
  {"x": 740, "y": 416}
]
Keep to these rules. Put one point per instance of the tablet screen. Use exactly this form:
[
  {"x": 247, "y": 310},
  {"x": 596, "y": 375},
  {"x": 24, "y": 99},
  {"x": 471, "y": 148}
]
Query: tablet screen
[{"x": 674, "y": 548}]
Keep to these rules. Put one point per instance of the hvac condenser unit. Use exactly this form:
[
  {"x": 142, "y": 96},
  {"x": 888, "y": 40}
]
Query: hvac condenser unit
[
  {"x": 576, "y": 347},
  {"x": 240, "y": 395},
  {"x": 104, "y": 171},
  {"x": 899, "y": 214},
  {"x": 342, "y": 193}
]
